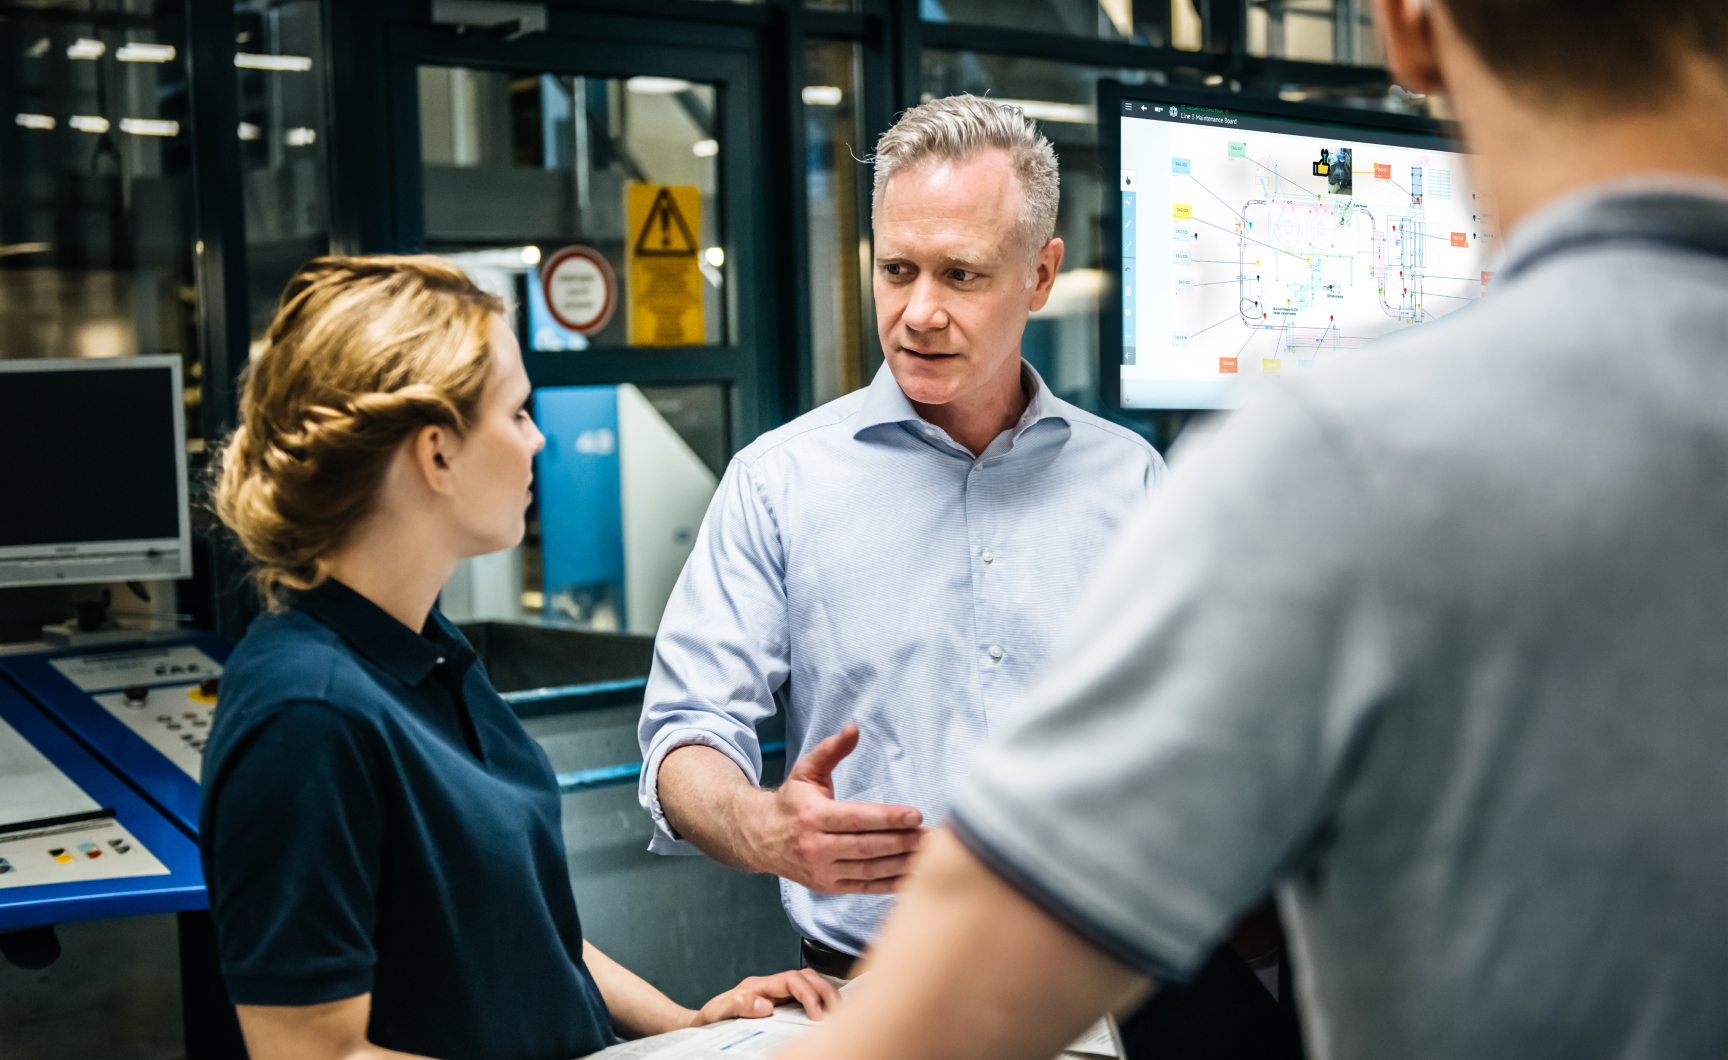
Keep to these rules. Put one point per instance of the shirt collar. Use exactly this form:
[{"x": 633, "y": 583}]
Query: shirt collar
[
  {"x": 885, "y": 402},
  {"x": 375, "y": 633},
  {"x": 1680, "y": 211}
]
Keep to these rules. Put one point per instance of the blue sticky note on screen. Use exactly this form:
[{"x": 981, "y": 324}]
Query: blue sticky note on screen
[{"x": 1179, "y": 166}]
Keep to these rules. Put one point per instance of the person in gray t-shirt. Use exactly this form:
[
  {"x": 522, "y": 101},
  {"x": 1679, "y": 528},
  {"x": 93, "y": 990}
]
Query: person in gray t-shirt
[{"x": 1434, "y": 644}]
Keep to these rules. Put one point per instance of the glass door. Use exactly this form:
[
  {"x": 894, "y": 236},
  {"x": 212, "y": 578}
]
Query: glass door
[{"x": 604, "y": 189}]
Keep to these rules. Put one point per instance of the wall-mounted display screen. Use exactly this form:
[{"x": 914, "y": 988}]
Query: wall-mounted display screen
[{"x": 1255, "y": 246}]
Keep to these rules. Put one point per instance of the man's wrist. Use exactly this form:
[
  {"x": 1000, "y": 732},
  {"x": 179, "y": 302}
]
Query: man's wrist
[{"x": 751, "y": 806}]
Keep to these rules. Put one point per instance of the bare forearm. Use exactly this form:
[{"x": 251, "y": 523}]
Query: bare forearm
[
  {"x": 967, "y": 967},
  {"x": 705, "y": 796},
  {"x": 637, "y": 1008}
]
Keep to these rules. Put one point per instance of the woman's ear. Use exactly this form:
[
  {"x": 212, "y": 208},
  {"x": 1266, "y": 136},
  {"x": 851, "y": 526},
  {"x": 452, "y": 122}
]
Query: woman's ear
[
  {"x": 432, "y": 449},
  {"x": 1407, "y": 43}
]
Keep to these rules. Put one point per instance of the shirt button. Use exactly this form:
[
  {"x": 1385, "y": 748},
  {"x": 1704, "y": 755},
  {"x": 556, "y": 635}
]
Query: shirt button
[
  {"x": 988, "y": 556},
  {"x": 995, "y": 651}
]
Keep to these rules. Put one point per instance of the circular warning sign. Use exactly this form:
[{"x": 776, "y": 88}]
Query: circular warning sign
[{"x": 581, "y": 289}]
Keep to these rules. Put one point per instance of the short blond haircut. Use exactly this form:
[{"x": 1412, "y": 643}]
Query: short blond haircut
[
  {"x": 955, "y": 128},
  {"x": 363, "y": 352}
]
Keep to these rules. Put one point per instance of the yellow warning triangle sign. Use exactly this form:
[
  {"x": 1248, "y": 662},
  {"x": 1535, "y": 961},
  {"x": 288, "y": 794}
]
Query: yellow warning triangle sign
[{"x": 665, "y": 233}]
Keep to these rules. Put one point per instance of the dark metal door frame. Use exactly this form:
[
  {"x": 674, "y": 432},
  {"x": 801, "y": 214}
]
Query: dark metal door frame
[{"x": 751, "y": 357}]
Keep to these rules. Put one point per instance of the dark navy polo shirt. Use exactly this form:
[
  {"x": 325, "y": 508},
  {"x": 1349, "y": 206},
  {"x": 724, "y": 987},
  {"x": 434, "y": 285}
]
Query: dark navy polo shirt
[{"x": 375, "y": 819}]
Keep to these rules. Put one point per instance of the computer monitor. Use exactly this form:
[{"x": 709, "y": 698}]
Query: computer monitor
[
  {"x": 93, "y": 471},
  {"x": 1253, "y": 239}
]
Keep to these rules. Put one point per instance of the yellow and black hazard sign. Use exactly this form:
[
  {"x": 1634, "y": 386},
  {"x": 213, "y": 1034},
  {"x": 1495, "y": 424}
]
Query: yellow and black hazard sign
[{"x": 661, "y": 255}]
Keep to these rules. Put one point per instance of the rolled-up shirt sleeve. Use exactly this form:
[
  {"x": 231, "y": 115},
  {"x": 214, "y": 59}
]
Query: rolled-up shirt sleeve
[
  {"x": 722, "y": 650},
  {"x": 1223, "y": 665}
]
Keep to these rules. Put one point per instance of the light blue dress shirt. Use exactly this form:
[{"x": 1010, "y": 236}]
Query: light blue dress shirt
[{"x": 867, "y": 567}]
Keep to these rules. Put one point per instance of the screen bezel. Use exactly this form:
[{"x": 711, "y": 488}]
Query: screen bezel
[
  {"x": 1111, "y": 93},
  {"x": 86, "y": 562}
]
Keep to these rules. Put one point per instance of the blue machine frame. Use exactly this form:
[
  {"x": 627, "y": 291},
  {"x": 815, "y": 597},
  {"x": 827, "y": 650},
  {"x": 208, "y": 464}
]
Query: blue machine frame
[
  {"x": 55, "y": 903},
  {"x": 162, "y": 782}
]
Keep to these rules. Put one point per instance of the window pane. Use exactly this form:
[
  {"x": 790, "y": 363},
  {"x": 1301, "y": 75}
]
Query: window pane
[
  {"x": 95, "y": 188},
  {"x": 518, "y": 164},
  {"x": 1144, "y": 22},
  {"x": 1061, "y": 340},
  {"x": 284, "y": 140},
  {"x": 844, "y": 349}
]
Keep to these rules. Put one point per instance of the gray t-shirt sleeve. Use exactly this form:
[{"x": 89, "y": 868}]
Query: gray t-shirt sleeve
[{"x": 1219, "y": 674}]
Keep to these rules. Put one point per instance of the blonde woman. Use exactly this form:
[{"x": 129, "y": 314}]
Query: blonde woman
[{"x": 381, "y": 838}]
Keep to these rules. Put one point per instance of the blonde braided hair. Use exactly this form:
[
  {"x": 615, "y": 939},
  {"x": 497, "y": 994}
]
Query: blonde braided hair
[{"x": 363, "y": 352}]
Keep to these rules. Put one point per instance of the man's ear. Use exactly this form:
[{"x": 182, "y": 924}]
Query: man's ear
[
  {"x": 1049, "y": 264},
  {"x": 431, "y": 450},
  {"x": 1407, "y": 43}
]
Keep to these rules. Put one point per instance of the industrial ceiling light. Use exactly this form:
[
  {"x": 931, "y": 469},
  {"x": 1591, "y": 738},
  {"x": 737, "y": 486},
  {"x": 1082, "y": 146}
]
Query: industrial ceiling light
[
  {"x": 658, "y": 86},
  {"x": 89, "y": 123},
  {"x": 149, "y": 127},
  {"x": 822, "y": 95},
  {"x": 288, "y": 63},
  {"x": 85, "y": 48},
  {"x": 144, "y": 53}
]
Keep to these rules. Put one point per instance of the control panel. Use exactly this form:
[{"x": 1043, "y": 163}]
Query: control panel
[
  {"x": 174, "y": 719},
  {"x": 76, "y": 852}
]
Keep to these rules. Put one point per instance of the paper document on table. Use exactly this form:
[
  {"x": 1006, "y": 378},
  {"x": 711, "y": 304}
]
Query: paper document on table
[
  {"x": 764, "y": 1038},
  {"x": 752, "y": 1039},
  {"x": 1101, "y": 1040},
  {"x": 31, "y": 787}
]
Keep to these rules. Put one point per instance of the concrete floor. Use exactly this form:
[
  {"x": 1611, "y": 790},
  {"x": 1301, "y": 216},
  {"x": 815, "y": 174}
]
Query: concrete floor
[
  {"x": 688, "y": 925},
  {"x": 114, "y": 994}
]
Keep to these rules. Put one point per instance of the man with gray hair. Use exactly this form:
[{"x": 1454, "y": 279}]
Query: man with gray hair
[{"x": 894, "y": 567}]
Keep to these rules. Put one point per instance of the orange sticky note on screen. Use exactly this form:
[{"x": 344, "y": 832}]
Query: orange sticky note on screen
[
  {"x": 1227, "y": 365},
  {"x": 1458, "y": 240},
  {"x": 1382, "y": 172}
]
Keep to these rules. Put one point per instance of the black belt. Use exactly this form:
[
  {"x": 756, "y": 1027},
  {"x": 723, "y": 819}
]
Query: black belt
[{"x": 825, "y": 959}]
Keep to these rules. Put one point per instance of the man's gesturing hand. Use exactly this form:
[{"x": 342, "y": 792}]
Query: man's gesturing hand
[{"x": 800, "y": 832}]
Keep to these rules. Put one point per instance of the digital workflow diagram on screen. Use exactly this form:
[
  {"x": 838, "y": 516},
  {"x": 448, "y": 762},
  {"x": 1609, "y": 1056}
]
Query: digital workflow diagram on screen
[{"x": 1256, "y": 247}]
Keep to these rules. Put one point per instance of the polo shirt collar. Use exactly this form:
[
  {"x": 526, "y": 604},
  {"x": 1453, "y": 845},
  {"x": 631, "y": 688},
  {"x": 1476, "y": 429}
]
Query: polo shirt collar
[
  {"x": 376, "y": 634},
  {"x": 1686, "y": 212},
  {"x": 885, "y": 402}
]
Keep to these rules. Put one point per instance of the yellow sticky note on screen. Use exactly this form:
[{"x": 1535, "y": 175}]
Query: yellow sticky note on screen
[{"x": 1184, "y": 212}]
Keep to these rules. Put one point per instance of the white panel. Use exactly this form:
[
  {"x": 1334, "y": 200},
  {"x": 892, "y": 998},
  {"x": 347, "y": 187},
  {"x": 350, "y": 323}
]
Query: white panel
[
  {"x": 485, "y": 588},
  {"x": 665, "y": 488},
  {"x": 175, "y": 721},
  {"x": 76, "y": 853},
  {"x": 31, "y": 787},
  {"x": 148, "y": 666}
]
